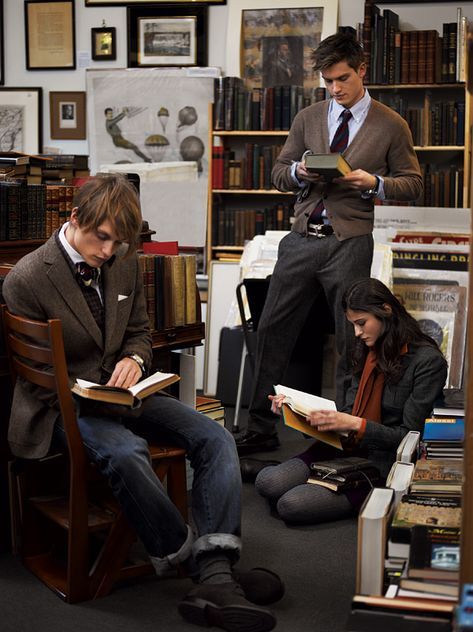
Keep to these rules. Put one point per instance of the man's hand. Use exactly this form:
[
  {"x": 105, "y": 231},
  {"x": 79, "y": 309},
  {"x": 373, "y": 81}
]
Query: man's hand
[
  {"x": 303, "y": 175},
  {"x": 358, "y": 179},
  {"x": 127, "y": 372}
]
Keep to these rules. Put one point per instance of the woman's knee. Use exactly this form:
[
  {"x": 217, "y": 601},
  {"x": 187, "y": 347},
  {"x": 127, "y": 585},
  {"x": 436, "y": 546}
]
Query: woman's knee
[{"x": 275, "y": 480}]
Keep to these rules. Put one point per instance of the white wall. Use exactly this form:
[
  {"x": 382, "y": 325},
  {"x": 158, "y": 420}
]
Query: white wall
[{"x": 416, "y": 15}]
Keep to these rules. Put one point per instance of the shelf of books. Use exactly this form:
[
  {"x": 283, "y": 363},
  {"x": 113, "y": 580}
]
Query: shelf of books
[{"x": 408, "y": 561}]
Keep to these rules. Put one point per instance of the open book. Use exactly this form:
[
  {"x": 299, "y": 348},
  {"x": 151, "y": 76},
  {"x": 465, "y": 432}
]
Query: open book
[
  {"x": 126, "y": 396},
  {"x": 297, "y": 405}
]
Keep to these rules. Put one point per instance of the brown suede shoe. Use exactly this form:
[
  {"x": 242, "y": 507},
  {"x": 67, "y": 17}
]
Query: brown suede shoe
[{"x": 225, "y": 606}]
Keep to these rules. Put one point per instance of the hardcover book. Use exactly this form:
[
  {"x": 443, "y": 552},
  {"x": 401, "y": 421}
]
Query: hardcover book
[
  {"x": 434, "y": 553},
  {"x": 328, "y": 165},
  {"x": 438, "y": 511},
  {"x": 125, "y": 396},
  {"x": 344, "y": 473},
  {"x": 437, "y": 476}
]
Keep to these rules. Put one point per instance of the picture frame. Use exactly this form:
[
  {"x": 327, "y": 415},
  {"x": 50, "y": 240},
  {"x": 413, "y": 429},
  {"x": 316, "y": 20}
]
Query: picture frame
[
  {"x": 243, "y": 54},
  {"x": 167, "y": 36},
  {"x": 21, "y": 111},
  {"x": 67, "y": 115},
  {"x": 2, "y": 47},
  {"x": 50, "y": 43},
  {"x": 112, "y": 3},
  {"x": 104, "y": 43}
]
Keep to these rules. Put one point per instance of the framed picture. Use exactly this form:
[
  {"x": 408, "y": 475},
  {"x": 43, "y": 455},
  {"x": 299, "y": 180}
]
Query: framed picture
[
  {"x": 2, "y": 47},
  {"x": 270, "y": 41},
  {"x": 67, "y": 115},
  {"x": 111, "y": 3},
  {"x": 104, "y": 43},
  {"x": 20, "y": 120},
  {"x": 171, "y": 36},
  {"x": 50, "y": 35}
]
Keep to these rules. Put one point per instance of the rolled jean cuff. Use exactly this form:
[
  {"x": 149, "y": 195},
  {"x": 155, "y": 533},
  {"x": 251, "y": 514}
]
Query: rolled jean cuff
[
  {"x": 163, "y": 565},
  {"x": 224, "y": 542}
]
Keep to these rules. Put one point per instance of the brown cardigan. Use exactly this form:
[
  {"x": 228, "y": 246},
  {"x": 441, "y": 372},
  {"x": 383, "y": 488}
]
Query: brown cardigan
[{"x": 383, "y": 146}]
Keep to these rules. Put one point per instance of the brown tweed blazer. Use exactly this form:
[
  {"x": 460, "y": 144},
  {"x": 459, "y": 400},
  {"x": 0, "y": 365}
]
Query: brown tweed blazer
[
  {"x": 382, "y": 146},
  {"x": 42, "y": 286}
]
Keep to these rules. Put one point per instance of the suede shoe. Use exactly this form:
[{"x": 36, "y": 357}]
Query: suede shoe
[
  {"x": 260, "y": 585},
  {"x": 249, "y": 441},
  {"x": 225, "y": 606},
  {"x": 250, "y": 468}
]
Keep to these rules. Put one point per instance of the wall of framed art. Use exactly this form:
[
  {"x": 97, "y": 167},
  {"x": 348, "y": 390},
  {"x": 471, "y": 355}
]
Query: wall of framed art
[{"x": 90, "y": 14}]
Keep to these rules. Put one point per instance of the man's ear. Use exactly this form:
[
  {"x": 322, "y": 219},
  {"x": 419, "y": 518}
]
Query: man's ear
[{"x": 73, "y": 217}]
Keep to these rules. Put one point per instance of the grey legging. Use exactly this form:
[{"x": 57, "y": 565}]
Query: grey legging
[{"x": 298, "y": 502}]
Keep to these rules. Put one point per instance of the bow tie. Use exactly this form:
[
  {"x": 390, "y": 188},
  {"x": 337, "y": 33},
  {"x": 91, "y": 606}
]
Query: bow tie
[{"x": 86, "y": 274}]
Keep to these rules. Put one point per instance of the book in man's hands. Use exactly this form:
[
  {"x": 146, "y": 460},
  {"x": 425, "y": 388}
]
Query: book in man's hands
[
  {"x": 344, "y": 473},
  {"x": 327, "y": 165},
  {"x": 125, "y": 396},
  {"x": 298, "y": 405}
]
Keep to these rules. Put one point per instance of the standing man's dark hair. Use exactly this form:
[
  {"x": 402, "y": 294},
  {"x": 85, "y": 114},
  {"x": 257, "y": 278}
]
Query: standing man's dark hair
[{"x": 330, "y": 245}]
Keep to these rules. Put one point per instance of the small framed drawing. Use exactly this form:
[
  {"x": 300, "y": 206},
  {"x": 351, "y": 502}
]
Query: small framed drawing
[
  {"x": 67, "y": 115},
  {"x": 171, "y": 36},
  {"x": 20, "y": 119},
  {"x": 104, "y": 43},
  {"x": 50, "y": 35}
]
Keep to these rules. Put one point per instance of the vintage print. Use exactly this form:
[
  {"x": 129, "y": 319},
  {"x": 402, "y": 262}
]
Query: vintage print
[{"x": 167, "y": 41}]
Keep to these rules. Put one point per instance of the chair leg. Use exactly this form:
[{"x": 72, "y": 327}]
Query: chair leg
[{"x": 176, "y": 485}]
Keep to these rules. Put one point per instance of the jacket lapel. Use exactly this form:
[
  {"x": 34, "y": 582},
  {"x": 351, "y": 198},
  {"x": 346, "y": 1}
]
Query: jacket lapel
[{"x": 61, "y": 277}]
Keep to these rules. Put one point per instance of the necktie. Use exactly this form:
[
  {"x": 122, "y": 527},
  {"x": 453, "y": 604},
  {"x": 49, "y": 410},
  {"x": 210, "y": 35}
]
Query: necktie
[
  {"x": 339, "y": 144},
  {"x": 86, "y": 274}
]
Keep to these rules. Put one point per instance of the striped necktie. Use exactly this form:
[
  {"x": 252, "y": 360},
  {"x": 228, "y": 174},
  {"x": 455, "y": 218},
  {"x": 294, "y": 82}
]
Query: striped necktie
[{"x": 339, "y": 144}]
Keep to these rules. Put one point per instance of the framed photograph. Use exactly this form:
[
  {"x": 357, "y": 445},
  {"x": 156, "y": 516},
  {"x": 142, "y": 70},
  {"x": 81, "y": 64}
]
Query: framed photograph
[
  {"x": 20, "y": 119},
  {"x": 270, "y": 41},
  {"x": 171, "y": 36},
  {"x": 104, "y": 43},
  {"x": 2, "y": 47},
  {"x": 111, "y": 3},
  {"x": 67, "y": 115},
  {"x": 50, "y": 35}
]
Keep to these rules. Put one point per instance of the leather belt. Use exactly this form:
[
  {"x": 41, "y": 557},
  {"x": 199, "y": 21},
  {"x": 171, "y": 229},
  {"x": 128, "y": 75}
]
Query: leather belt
[{"x": 320, "y": 230}]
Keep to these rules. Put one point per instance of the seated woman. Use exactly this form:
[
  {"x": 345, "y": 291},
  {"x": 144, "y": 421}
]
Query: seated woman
[{"x": 398, "y": 373}]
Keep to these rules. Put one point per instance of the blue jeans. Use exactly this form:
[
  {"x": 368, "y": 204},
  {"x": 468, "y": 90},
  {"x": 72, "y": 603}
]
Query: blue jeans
[{"x": 117, "y": 444}]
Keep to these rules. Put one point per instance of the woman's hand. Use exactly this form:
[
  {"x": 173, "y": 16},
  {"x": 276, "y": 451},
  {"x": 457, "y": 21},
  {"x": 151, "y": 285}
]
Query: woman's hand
[
  {"x": 333, "y": 420},
  {"x": 276, "y": 402}
]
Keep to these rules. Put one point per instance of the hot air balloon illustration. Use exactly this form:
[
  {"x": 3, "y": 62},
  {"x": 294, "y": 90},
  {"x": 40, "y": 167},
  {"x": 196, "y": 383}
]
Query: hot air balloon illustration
[
  {"x": 163, "y": 116},
  {"x": 156, "y": 145},
  {"x": 192, "y": 148}
]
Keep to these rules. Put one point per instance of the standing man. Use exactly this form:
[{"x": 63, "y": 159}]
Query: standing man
[
  {"x": 331, "y": 243},
  {"x": 87, "y": 275}
]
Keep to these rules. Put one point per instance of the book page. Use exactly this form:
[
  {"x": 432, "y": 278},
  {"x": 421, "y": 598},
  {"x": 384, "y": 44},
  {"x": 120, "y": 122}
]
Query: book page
[{"x": 303, "y": 403}]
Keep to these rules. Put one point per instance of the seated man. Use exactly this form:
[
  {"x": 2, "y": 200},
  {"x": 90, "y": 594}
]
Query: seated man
[{"x": 87, "y": 275}]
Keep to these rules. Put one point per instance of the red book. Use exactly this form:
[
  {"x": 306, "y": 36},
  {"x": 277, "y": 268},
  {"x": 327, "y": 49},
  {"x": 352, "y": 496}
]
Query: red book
[{"x": 160, "y": 248}]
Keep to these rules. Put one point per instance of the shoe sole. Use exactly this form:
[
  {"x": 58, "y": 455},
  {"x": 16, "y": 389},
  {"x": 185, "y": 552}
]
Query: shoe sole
[{"x": 231, "y": 618}]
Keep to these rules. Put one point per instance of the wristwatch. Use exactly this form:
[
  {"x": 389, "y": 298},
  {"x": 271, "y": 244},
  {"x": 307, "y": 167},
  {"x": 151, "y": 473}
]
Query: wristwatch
[
  {"x": 370, "y": 193},
  {"x": 139, "y": 361}
]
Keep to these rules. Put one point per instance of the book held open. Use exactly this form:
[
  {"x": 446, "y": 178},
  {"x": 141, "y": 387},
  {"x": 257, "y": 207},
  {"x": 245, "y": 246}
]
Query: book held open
[
  {"x": 298, "y": 405},
  {"x": 125, "y": 396}
]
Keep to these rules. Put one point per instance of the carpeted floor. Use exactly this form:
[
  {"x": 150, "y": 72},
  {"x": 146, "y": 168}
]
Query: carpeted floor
[{"x": 317, "y": 564}]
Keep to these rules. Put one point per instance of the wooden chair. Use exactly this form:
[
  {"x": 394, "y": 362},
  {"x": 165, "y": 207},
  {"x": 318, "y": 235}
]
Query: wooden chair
[{"x": 73, "y": 535}]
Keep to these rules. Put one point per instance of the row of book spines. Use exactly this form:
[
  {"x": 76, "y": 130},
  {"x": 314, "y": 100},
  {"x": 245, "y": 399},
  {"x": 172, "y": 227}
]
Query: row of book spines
[
  {"x": 253, "y": 171},
  {"x": 443, "y": 187},
  {"x": 418, "y": 56},
  {"x": 235, "y": 227},
  {"x": 442, "y": 123},
  {"x": 170, "y": 289},
  {"x": 33, "y": 211},
  {"x": 274, "y": 108}
]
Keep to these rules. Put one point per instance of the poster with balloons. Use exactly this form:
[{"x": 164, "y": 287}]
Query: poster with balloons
[{"x": 160, "y": 117}]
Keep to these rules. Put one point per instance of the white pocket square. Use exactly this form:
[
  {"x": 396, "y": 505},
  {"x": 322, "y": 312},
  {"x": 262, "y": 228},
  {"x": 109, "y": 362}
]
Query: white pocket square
[{"x": 122, "y": 297}]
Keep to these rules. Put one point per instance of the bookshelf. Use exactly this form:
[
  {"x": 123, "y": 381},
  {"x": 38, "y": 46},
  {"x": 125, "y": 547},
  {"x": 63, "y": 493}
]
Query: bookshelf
[{"x": 439, "y": 116}]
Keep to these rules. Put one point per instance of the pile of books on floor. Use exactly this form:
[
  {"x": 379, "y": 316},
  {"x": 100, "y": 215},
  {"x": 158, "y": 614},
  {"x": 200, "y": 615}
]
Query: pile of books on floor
[
  {"x": 409, "y": 541},
  {"x": 212, "y": 408}
]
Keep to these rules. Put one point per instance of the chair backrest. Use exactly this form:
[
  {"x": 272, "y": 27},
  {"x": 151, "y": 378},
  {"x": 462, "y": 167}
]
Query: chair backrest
[{"x": 36, "y": 354}]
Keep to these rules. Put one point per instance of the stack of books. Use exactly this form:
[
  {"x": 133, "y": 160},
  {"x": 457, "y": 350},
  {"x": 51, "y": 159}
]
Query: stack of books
[
  {"x": 212, "y": 408},
  {"x": 443, "y": 436}
]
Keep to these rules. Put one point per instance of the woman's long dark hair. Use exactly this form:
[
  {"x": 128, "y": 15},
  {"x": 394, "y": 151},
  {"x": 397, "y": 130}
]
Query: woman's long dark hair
[{"x": 399, "y": 327}]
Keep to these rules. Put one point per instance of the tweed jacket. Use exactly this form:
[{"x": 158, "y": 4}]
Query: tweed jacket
[
  {"x": 382, "y": 146},
  {"x": 42, "y": 286},
  {"x": 404, "y": 406}
]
